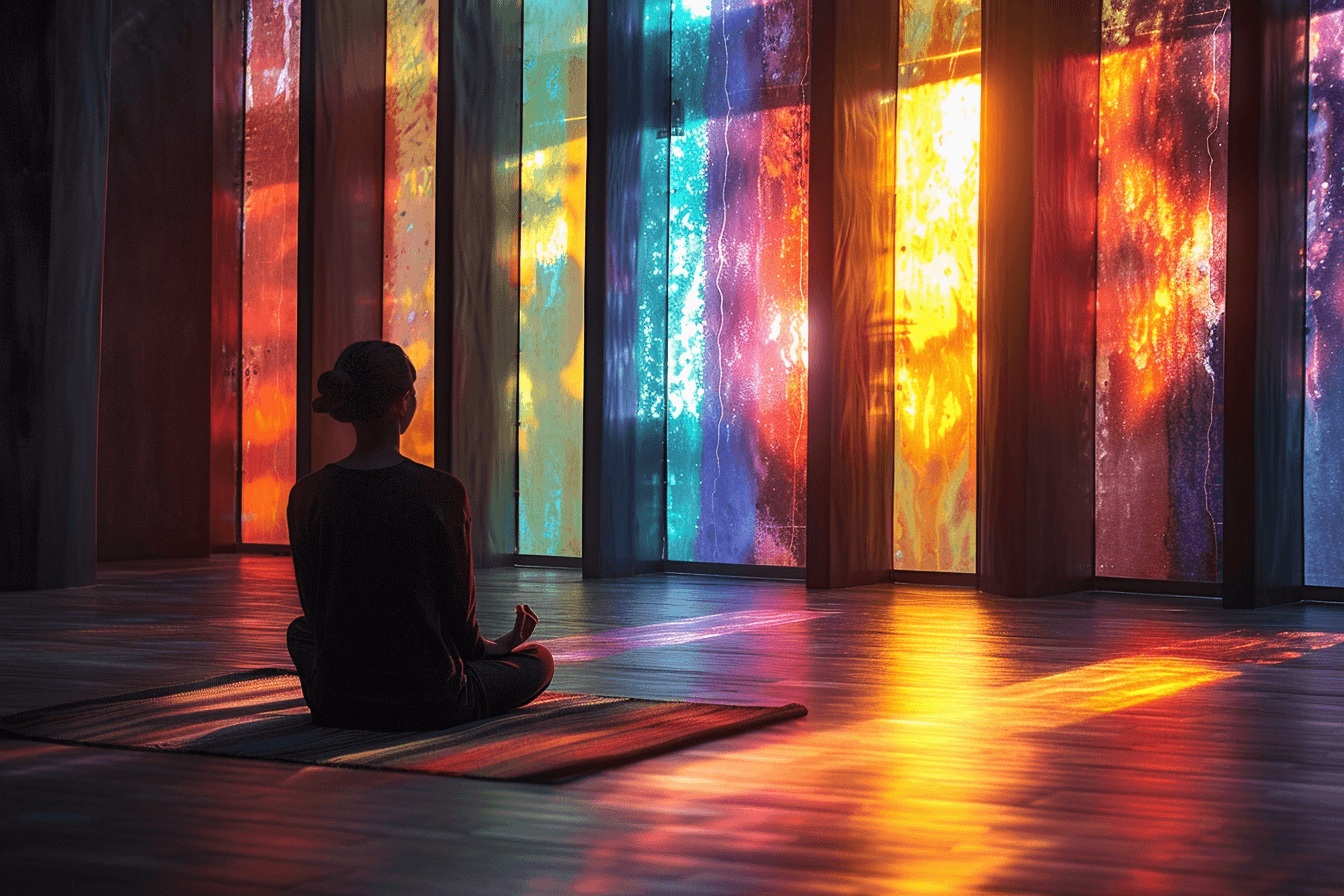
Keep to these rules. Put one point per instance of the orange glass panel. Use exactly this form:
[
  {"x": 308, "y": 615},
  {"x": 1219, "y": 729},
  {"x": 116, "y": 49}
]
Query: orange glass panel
[
  {"x": 270, "y": 268},
  {"x": 408, "y": 203},
  {"x": 1161, "y": 263},
  {"x": 937, "y": 216}
]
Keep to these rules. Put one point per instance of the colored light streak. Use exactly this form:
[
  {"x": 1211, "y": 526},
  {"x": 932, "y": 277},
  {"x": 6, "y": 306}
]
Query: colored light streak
[
  {"x": 270, "y": 269},
  {"x": 1161, "y": 246},
  {"x": 599, "y": 645},
  {"x": 937, "y": 196},
  {"x": 551, "y": 277},
  {"x": 736, "y": 284},
  {"x": 1323, "y": 461},
  {"x": 412, "y": 78}
]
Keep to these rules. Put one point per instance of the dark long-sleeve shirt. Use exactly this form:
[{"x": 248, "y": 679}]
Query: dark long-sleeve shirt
[{"x": 382, "y": 559}]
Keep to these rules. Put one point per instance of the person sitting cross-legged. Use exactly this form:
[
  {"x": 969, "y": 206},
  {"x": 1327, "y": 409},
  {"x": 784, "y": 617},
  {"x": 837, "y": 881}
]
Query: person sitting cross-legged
[{"x": 388, "y": 639}]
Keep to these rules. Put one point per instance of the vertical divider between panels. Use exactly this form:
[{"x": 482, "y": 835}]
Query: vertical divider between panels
[
  {"x": 476, "y": 294},
  {"x": 303, "y": 352},
  {"x": 851, "y": 335},
  {"x": 1266, "y": 295},
  {"x": 624, "y": 520},
  {"x": 1037, "y": 307}
]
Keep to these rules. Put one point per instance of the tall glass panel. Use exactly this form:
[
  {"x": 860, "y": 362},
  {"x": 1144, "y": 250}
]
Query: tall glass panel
[
  {"x": 937, "y": 217},
  {"x": 737, "y": 276},
  {"x": 408, "y": 202},
  {"x": 1161, "y": 256},
  {"x": 550, "y": 362},
  {"x": 1323, "y": 459},
  {"x": 270, "y": 268}
]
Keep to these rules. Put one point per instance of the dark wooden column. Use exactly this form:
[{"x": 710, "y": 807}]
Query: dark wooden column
[
  {"x": 1266, "y": 295},
  {"x": 53, "y": 167},
  {"x": 476, "y": 252},
  {"x": 341, "y": 118},
  {"x": 154, "y": 389},
  {"x": 226, "y": 258},
  {"x": 624, "y": 492},
  {"x": 1038, "y": 189},
  {"x": 851, "y": 425}
]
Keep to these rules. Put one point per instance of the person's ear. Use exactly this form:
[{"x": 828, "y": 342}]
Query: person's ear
[{"x": 401, "y": 406}]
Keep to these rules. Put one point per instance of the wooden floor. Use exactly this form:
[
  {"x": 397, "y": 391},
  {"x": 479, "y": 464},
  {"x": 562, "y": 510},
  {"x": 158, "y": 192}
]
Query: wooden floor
[{"x": 956, "y": 743}]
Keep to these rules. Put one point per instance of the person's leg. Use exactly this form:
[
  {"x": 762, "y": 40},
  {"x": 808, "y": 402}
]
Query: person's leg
[
  {"x": 514, "y": 680},
  {"x": 303, "y": 651}
]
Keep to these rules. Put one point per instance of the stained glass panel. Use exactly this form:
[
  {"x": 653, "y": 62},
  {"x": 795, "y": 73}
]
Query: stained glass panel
[
  {"x": 550, "y": 364},
  {"x": 737, "y": 275},
  {"x": 270, "y": 268},
  {"x": 1161, "y": 248},
  {"x": 937, "y": 216},
  {"x": 408, "y": 203},
  {"x": 1323, "y": 459}
]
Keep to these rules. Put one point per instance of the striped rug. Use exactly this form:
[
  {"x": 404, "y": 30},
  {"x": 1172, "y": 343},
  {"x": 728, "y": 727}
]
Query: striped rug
[{"x": 260, "y": 714}]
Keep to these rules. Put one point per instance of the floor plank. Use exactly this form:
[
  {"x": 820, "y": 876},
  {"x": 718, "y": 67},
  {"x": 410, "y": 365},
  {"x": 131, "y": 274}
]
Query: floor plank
[{"x": 955, "y": 743}]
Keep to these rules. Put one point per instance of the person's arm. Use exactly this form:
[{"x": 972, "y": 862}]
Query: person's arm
[{"x": 459, "y": 600}]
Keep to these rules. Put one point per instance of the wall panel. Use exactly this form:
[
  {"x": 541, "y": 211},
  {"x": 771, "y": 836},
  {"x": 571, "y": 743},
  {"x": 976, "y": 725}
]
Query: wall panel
[{"x": 154, "y": 379}]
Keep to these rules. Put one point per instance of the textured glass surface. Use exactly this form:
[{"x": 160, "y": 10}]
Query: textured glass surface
[
  {"x": 1323, "y": 457},
  {"x": 937, "y": 216},
  {"x": 737, "y": 275},
  {"x": 270, "y": 268},
  {"x": 550, "y": 363},
  {"x": 408, "y": 203},
  {"x": 1161, "y": 254}
]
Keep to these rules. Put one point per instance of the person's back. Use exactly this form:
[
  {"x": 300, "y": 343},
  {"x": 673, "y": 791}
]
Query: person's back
[
  {"x": 382, "y": 559},
  {"x": 378, "y": 559}
]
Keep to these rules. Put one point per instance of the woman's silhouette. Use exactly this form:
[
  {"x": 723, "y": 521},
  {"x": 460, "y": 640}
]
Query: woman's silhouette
[{"x": 388, "y": 638}]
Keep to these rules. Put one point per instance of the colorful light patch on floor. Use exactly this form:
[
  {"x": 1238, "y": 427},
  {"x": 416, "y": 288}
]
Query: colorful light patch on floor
[
  {"x": 1323, "y": 460},
  {"x": 270, "y": 269},
  {"x": 550, "y": 363},
  {"x": 408, "y": 203},
  {"x": 937, "y": 217},
  {"x": 737, "y": 274},
  {"x": 1161, "y": 246}
]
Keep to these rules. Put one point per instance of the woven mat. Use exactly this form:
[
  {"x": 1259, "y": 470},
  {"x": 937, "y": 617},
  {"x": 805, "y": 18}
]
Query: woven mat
[{"x": 260, "y": 714}]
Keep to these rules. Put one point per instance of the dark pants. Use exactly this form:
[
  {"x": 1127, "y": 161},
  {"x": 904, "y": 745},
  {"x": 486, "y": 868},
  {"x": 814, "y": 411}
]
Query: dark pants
[{"x": 495, "y": 684}]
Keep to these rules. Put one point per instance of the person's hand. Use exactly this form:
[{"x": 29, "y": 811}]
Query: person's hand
[{"x": 524, "y": 623}]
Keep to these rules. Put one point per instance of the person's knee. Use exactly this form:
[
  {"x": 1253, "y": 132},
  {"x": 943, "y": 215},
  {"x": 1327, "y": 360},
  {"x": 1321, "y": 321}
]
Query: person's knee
[
  {"x": 300, "y": 630},
  {"x": 543, "y": 656}
]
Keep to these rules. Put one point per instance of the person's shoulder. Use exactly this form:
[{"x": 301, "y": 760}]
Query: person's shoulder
[
  {"x": 432, "y": 477},
  {"x": 311, "y": 483},
  {"x": 438, "y": 484}
]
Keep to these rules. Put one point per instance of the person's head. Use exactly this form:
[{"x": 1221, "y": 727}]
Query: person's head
[{"x": 367, "y": 380}]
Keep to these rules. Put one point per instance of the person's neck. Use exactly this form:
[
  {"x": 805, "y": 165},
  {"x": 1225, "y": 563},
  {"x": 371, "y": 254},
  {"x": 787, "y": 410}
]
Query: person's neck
[{"x": 377, "y": 445}]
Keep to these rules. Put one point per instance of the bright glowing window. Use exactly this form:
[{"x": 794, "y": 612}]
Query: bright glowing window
[
  {"x": 736, "y": 282},
  {"x": 550, "y": 363},
  {"x": 408, "y": 202},
  {"x": 270, "y": 269},
  {"x": 937, "y": 216},
  {"x": 1161, "y": 264},
  {"x": 1323, "y": 461}
]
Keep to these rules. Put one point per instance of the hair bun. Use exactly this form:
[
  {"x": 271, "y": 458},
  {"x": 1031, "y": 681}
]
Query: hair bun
[{"x": 336, "y": 387}]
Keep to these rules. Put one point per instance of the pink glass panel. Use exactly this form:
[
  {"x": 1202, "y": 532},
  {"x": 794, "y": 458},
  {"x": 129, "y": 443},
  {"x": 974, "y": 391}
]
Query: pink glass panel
[{"x": 270, "y": 268}]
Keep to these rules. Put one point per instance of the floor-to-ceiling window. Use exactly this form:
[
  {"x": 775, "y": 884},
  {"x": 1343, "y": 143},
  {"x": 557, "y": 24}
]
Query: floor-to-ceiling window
[
  {"x": 1323, "y": 459},
  {"x": 1161, "y": 263},
  {"x": 937, "y": 216},
  {"x": 269, "y": 369},
  {"x": 737, "y": 282},
  {"x": 412, "y": 84},
  {"x": 553, "y": 163}
]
